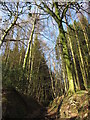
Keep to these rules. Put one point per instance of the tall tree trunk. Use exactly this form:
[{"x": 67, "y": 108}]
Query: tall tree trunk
[
  {"x": 87, "y": 44},
  {"x": 66, "y": 59},
  {"x": 54, "y": 82},
  {"x": 29, "y": 45},
  {"x": 28, "y": 53},
  {"x": 62, "y": 64},
  {"x": 7, "y": 53},
  {"x": 64, "y": 77},
  {"x": 30, "y": 65},
  {"x": 85, "y": 34},
  {"x": 75, "y": 67},
  {"x": 63, "y": 41},
  {"x": 81, "y": 62},
  {"x": 53, "y": 89}
]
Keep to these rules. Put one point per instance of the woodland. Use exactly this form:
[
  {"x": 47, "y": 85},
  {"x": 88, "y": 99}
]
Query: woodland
[{"x": 45, "y": 53}]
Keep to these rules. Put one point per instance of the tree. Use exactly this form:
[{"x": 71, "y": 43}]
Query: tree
[
  {"x": 68, "y": 66},
  {"x": 39, "y": 85},
  {"x": 11, "y": 25},
  {"x": 77, "y": 85},
  {"x": 29, "y": 45},
  {"x": 58, "y": 19}
]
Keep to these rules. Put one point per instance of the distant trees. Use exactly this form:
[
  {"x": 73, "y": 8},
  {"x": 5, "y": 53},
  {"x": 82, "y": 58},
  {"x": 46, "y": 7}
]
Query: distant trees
[
  {"x": 39, "y": 85},
  {"x": 40, "y": 77}
]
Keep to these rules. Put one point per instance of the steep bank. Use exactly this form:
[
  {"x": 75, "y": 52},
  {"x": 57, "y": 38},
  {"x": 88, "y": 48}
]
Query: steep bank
[{"x": 73, "y": 107}]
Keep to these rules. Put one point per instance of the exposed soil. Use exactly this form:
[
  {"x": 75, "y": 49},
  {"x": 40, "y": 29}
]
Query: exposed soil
[{"x": 75, "y": 107}]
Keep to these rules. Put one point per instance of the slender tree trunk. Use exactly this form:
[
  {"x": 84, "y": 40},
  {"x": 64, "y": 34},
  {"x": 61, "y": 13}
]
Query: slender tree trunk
[
  {"x": 62, "y": 66},
  {"x": 87, "y": 44},
  {"x": 80, "y": 56},
  {"x": 30, "y": 68},
  {"x": 7, "y": 51},
  {"x": 53, "y": 89},
  {"x": 64, "y": 78},
  {"x": 29, "y": 45},
  {"x": 75, "y": 67},
  {"x": 85, "y": 34},
  {"x": 28, "y": 52}
]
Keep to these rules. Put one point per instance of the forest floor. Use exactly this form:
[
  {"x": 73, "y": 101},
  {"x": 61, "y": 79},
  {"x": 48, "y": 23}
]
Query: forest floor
[{"x": 74, "y": 107}]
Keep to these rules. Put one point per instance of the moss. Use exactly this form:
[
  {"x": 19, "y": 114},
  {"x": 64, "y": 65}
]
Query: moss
[
  {"x": 66, "y": 58},
  {"x": 81, "y": 92},
  {"x": 70, "y": 92}
]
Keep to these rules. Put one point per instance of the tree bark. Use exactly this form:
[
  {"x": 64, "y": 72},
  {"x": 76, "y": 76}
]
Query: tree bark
[
  {"x": 75, "y": 67},
  {"x": 29, "y": 45},
  {"x": 81, "y": 62},
  {"x": 58, "y": 20}
]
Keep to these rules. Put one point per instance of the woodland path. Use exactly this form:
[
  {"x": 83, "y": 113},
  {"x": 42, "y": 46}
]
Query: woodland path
[{"x": 70, "y": 107}]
